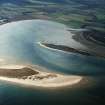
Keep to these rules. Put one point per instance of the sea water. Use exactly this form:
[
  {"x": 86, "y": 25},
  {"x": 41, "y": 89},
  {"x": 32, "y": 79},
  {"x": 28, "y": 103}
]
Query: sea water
[{"x": 19, "y": 45}]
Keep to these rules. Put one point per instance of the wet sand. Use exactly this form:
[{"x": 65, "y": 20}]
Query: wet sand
[{"x": 28, "y": 76}]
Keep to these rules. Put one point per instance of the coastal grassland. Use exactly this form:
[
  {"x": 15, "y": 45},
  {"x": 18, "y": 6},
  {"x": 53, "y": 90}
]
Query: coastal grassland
[
  {"x": 72, "y": 13},
  {"x": 17, "y": 73},
  {"x": 72, "y": 20}
]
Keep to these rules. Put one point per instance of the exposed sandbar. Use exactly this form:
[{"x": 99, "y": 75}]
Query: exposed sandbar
[
  {"x": 31, "y": 77},
  {"x": 64, "y": 48}
]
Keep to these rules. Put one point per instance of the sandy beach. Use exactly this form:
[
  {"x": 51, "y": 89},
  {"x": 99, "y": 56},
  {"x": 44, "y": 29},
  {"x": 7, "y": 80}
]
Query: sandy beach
[
  {"x": 31, "y": 77},
  {"x": 63, "y": 48}
]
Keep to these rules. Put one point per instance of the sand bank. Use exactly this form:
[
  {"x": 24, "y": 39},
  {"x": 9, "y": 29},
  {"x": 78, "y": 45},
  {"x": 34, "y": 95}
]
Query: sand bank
[{"x": 41, "y": 79}]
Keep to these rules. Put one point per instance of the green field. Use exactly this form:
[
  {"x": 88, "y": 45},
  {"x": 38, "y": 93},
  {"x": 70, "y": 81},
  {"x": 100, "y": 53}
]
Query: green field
[{"x": 74, "y": 13}]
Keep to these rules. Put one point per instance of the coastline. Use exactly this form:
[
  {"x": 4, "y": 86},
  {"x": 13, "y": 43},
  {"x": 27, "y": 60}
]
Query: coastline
[
  {"x": 44, "y": 79},
  {"x": 63, "y": 49}
]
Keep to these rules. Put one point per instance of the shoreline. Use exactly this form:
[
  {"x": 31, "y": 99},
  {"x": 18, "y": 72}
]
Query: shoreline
[
  {"x": 44, "y": 79},
  {"x": 63, "y": 49},
  {"x": 42, "y": 84}
]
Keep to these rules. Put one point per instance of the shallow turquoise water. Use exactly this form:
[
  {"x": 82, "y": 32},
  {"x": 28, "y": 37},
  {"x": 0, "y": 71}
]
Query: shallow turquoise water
[{"x": 18, "y": 42}]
